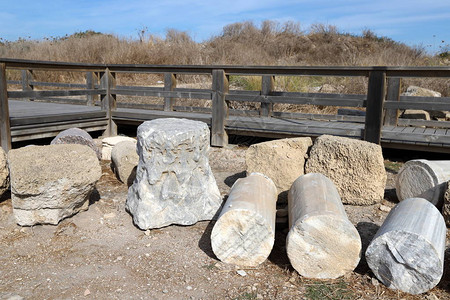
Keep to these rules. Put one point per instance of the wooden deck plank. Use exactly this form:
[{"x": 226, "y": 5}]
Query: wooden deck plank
[{"x": 32, "y": 119}]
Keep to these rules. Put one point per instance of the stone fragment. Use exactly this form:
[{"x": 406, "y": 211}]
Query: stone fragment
[
  {"x": 322, "y": 243},
  {"x": 446, "y": 206},
  {"x": 245, "y": 230},
  {"x": 407, "y": 252},
  {"x": 125, "y": 160},
  {"x": 416, "y": 91},
  {"x": 283, "y": 160},
  {"x": 355, "y": 167},
  {"x": 416, "y": 114},
  {"x": 4, "y": 172},
  {"x": 76, "y": 136},
  {"x": 424, "y": 179},
  {"x": 50, "y": 183},
  {"x": 109, "y": 143},
  {"x": 174, "y": 183}
]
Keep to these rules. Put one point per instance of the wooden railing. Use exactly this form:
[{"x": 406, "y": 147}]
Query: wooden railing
[{"x": 382, "y": 100}]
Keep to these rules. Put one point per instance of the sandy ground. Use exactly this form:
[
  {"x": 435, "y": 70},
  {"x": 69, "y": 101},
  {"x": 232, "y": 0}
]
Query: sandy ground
[{"x": 100, "y": 254}]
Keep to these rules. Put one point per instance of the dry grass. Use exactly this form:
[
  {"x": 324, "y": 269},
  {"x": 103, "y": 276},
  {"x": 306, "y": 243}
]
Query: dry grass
[{"x": 245, "y": 43}]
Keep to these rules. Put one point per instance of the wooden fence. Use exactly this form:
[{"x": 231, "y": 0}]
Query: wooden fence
[{"x": 382, "y": 101}]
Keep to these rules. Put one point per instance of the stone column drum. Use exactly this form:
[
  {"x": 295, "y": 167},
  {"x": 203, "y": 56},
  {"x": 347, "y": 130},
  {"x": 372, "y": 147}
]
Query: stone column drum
[{"x": 174, "y": 183}]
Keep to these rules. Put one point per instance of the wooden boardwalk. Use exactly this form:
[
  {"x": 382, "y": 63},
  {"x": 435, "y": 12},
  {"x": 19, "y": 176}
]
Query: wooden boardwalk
[
  {"x": 48, "y": 119},
  {"x": 97, "y": 104}
]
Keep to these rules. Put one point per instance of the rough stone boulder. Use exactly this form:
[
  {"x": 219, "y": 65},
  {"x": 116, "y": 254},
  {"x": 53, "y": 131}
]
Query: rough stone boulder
[
  {"x": 4, "y": 172},
  {"x": 76, "y": 136},
  {"x": 283, "y": 160},
  {"x": 355, "y": 167},
  {"x": 446, "y": 207},
  {"x": 422, "y": 92},
  {"x": 417, "y": 91},
  {"x": 125, "y": 160},
  {"x": 109, "y": 143},
  {"x": 174, "y": 183},
  {"x": 50, "y": 183}
]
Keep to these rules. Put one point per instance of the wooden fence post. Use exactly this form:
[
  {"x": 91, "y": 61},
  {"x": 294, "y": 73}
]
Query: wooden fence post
[
  {"x": 170, "y": 83},
  {"x": 108, "y": 82},
  {"x": 219, "y": 136},
  {"x": 5, "y": 128},
  {"x": 374, "y": 109},
  {"x": 392, "y": 94},
  {"x": 27, "y": 78},
  {"x": 267, "y": 86},
  {"x": 91, "y": 82}
]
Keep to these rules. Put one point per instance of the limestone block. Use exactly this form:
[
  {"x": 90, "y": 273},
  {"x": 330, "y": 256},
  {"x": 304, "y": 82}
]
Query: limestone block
[
  {"x": 124, "y": 159},
  {"x": 50, "y": 183},
  {"x": 355, "y": 167},
  {"x": 424, "y": 179},
  {"x": 76, "y": 136},
  {"x": 244, "y": 234},
  {"x": 174, "y": 183},
  {"x": 322, "y": 243},
  {"x": 416, "y": 114},
  {"x": 4, "y": 172},
  {"x": 407, "y": 252},
  {"x": 109, "y": 143},
  {"x": 283, "y": 160},
  {"x": 446, "y": 206},
  {"x": 420, "y": 92}
]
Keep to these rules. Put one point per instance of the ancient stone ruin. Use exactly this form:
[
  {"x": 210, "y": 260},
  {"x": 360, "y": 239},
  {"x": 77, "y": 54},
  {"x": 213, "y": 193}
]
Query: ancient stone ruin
[
  {"x": 170, "y": 182},
  {"x": 407, "y": 253},
  {"x": 50, "y": 183},
  {"x": 245, "y": 231},
  {"x": 355, "y": 167},
  {"x": 174, "y": 183},
  {"x": 76, "y": 136}
]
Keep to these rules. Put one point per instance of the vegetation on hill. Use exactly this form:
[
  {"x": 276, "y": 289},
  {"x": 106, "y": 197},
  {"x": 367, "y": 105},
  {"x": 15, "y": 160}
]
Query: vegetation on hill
[{"x": 244, "y": 43}]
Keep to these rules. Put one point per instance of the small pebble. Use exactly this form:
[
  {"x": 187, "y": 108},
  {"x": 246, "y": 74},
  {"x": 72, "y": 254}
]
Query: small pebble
[
  {"x": 165, "y": 291},
  {"x": 87, "y": 292},
  {"x": 189, "y": 287},
  {"x": 242, "y": 273}
]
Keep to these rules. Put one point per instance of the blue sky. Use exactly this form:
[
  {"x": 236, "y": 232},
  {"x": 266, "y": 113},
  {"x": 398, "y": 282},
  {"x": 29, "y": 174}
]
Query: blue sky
[{"x": 425, "y": 22}]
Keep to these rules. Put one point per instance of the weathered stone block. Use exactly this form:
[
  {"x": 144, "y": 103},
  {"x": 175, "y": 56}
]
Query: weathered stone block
[
  {"x": 109, "y": 143},
  {"x": 124, "y": 159},
  {"x": 174, "y": 183},
  {"x": 50, "y": 183},
  {"x": 4, "y": 172},
  {"x": 355, "y": 167},
  {"x": 76, "y": 136},
  {"x": 283, "y": 160}
]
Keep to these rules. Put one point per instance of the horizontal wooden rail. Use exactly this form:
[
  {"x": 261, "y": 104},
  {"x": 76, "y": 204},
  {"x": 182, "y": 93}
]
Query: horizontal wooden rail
[
  {"x": 53, "y": 93},
  {"x": 382, "y": 102}
]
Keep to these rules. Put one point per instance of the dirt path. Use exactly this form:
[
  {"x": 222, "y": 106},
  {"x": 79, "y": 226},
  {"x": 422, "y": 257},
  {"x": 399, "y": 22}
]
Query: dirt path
[{"x": 100, "y": 254}]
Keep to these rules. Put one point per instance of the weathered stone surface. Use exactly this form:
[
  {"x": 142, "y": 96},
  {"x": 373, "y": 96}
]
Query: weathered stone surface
[
  {"x": 322, "y": 243},
  {"x": 109, "y": 143},
  {"x": 355, "y": 167},
  {"x": 76, "y": 136},
  {"x": 245, "y": 231},
  {"x": 416, "y": 114},
  {"x": 424, "y": 179},
  {"x": 50, "y": 183},
  {"x": 407, "y": 252},
  {"x": 4, "y": 172},
  {"x": 124, "y": 159},
  {"x": 174, "y": 183},
  {"x": 446, "y": 207},
  {"x": 283, "y": 160},
  {"x": 420, "y": 92}
]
